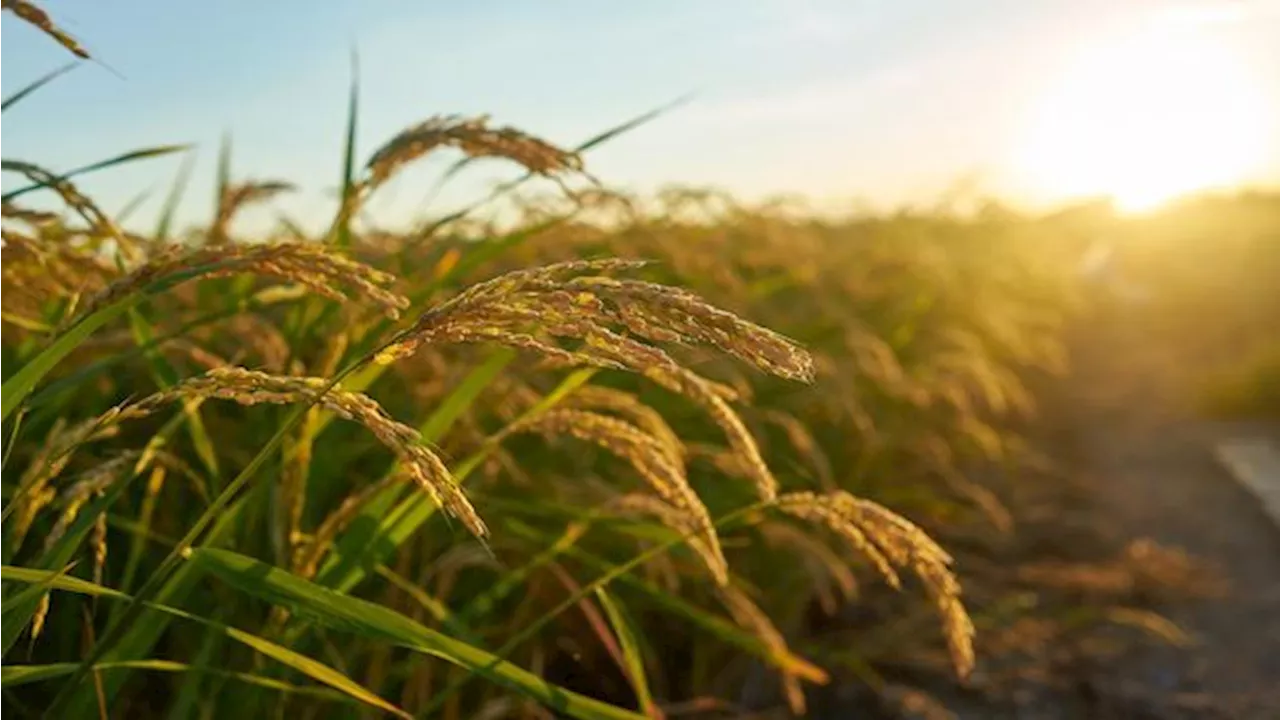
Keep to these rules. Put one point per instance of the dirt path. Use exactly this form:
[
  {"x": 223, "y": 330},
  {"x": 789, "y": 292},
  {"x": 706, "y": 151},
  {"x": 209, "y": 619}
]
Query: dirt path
[{"x": 1148, "y": 463}]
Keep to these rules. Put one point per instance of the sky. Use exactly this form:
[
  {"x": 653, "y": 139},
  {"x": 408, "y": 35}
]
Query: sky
[{"x": 843, "y": 101}]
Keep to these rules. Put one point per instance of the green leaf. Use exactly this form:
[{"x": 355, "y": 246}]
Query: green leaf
[
  {"x": 122, "y": 159},
  {"x": 37, "y": 84},
  {"x": 311, "y": 668},
  {"x": 622, "y": 628},
  {"x": 465, "y": 394},
  {"x": 346, "y": 208},
  {"x": 17, "y": 609},
  {"x": 633, "y": 123},
  {"x": 342, "y": 612},
  {"x": 14, "y": 675},
  {"x": 13, "y": 440},
  {"x": 223, "y": 179},
  {"x": 125, "y": 625},
  {"x": 16, "y": 388},
  {"x": 164, "y": 225},
  {"x": 76, "y": 378}
]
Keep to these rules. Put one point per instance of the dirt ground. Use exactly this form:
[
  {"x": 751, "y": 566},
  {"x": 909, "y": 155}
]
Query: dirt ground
[
  {"x": 1135, "y": 461},
  {"x": 1146, "y": 461}
]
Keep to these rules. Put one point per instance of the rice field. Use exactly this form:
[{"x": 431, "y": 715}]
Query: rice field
[{"x": 600, "y": 457}]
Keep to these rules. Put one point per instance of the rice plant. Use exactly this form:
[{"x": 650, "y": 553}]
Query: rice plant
[{"x": 663, "y": 433}]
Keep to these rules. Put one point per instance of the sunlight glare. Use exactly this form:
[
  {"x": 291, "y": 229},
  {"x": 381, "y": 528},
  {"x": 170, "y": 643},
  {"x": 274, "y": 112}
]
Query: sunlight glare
[{"x": 1145, "y": 117}]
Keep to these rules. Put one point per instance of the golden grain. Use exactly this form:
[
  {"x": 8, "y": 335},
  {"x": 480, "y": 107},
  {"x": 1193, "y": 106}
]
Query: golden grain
[{"x": 32, "y": 14}]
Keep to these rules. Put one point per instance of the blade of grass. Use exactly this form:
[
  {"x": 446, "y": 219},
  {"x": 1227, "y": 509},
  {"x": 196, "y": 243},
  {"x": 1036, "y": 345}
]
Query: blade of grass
[
  {"x": 164, "y": 225},
  {"x": 141, "y": 638},
  {"x": 122, "y": 159},
  {"x": 342, "y": 612},
  {"x": 13, "y": 440},
  {"x": 14, "y": 609},
  {"x": 625, "y": 632},
  {"x": 135, "y": 202},
  {"x": 431, "y": 604},
  {"x": 16, "y": 388},
  {"x": 37, "y": 84},
  {"x": 311, "y": 668},
  {"x": 481, "y": 605},
  {"x": 14, "y": 675},
  {"x": 342, "y": 223}
]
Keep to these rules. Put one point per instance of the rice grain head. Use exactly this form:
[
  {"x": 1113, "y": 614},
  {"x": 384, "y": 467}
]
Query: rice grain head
[
  {"x": 681, "y": 521},
  {"x": 33, "y": 15},
  {"x": 650, "y": 460},
  {"x": 318, "y": 268},
  {"x": 629, "y": 407},
  {"x": 237, "y": 197},
  {"x": 475, "y": 139},
  {"x": 537, "y": 309},
  {"x": 248, "y": 387},
  {"x": 99, "y": 222},
  {"x": 889, "y": 541},
  {"x": 91, "y": 483}
]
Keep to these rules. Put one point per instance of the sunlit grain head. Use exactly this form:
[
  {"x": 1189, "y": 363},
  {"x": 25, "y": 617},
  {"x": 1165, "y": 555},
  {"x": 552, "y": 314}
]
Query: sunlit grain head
[{"x": 1147, "y": 114}]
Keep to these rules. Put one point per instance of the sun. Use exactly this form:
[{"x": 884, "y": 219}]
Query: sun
[{"x": 1144, "y": 116}]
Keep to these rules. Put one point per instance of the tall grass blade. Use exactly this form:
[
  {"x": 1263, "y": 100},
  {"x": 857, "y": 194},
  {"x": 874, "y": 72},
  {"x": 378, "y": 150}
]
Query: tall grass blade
[
  {"x": 123, "y": 159},
  {"x": 16, "y": 388},
  {"x": 630, "y": 645},
  {"x": 36, "y": 85},
  {"x": 346, "y": 210},
  {"x": 341, "y": 612},
  {"x": 311, "y": 668},
  {"x": 14, "y": 675},
  {"x": 164, "y": 224}
]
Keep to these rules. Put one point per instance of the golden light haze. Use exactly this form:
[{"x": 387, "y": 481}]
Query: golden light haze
[{"x": 1148, "y": 112}]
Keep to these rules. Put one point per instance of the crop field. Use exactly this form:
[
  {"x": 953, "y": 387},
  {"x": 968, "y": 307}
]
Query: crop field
[{"x": 596, "y": 456}]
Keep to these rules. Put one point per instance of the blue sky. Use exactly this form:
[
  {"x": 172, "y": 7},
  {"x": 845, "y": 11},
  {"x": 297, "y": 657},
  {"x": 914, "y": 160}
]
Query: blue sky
[{"x": 886, "y": 102}]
